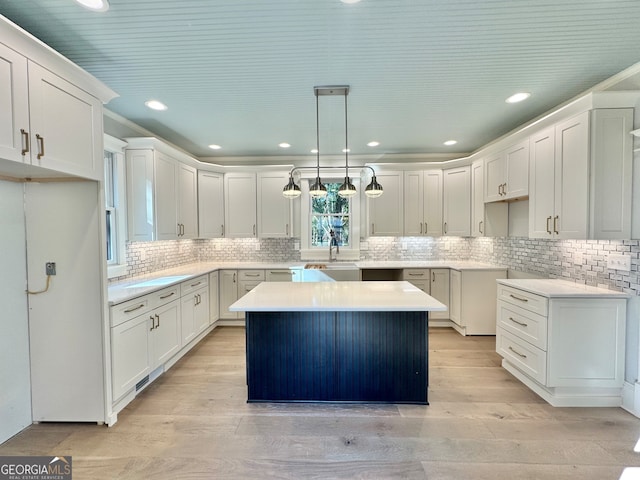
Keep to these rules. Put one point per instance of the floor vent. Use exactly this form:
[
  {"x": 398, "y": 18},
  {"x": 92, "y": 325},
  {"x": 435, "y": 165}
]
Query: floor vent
[{"x": 142, "y": 383}]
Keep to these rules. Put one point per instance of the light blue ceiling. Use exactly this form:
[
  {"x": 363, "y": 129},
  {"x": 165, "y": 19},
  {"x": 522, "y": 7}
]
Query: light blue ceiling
[{"x": 240, "y": 73}]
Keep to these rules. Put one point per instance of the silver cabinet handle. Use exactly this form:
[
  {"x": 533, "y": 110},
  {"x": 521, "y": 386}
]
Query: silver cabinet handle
[
  {"x": 548, "y": 227},
  {"x": 40, "y": 141},
  {"x": 281, "y": 272},
  {"x": 445, "y": 227},
  {"x": 373, "y": 229},
  {"x": 129, "y": 310},
  {"x": 518, "y": 298},
  {"x": 425, "y": 227},
  {"x": 251, "y": 274},
  {"x": 416, "y": 274},
  {"x": 480, "y": 227},
  {"x": 222, "y": 230},
  {"x": 195, "y": 284},
  {"x": 254, "y": 229},
  {"x": 167, "y": 295},
  {"x": 522, "y": 324},
  {"x": 522, "y": 355},
  {"x": 25, "y": 141},
  {"x": 287, "y": 230},
  {"x": 433, "y": 276},
  {"x": 234, "y": 278},
  {"x": 500, "y": 189},
  {"x": 420, "y": 228},
  {"x": 555, "y": 224},
  {"x": 158, "y": 319},
  {"x": 504, "y": 189},
  {"x": 153, "y": 323},
  {"x": 178, "y": 229}
]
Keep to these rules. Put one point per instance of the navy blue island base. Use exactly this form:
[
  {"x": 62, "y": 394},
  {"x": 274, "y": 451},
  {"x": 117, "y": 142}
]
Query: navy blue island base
[{"x": 337, "y": 356}]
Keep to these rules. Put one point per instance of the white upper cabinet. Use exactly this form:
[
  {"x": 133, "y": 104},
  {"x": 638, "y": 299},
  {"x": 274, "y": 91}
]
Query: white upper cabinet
[
  {"x": 46, "y": 121},
  {"x": 187, "y": 183},
  {"x": 423, "y": 203},
  {"x": 507, "y": 173},
  {"x": 457, "y": 201},
  {"x": 210, "y": 204},
  {"x": 385, "y": 212},
  {"x": 541, "y": 183},
  {"x": 240, "y": 205},
  {"x": 274, "y": 210},
  {"x": 166, "y": 198},
  {"x": 477, "y": 199}
]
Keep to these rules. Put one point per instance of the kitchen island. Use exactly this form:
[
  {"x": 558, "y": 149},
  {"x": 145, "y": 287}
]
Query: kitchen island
[{"x": 337, "y": 342}]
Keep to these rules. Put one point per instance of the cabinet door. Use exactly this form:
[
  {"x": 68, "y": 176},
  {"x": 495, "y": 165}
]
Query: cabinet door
[
  {"x": 494, "y": 170},
  {"x": 188, "y": 318},
  {"x": 201, "y": 317},
  {"x": 166, "y": 197},
  {"x": 240, "y": 205},
  {"x": 414, "y": 203},
  {"x": 385, "y": 212},
  {"x": 129, "y": 354},
  {"x": 477, "y": 199},
  {"x": 517, "y": 170},
  {"x": 165, "y": 336},
  {"x": 455, "y": 295},
  {"x": 440, "y": 291},
  {"x": 66, "y": 125},
  {"x": 274, "y": 210},
  {"x": 228, "y": 293},
  {"x": 214, "y": 299},
  {"x": 541, "y": 183},
  {"x": 571, "y": 212},
  {"x": 14, "y": 106},
  {"x": 187, "y": 201},
  {"x": 457, "y": 201},
  {"x": 210, "y": 205},
  {"x": 433, "y": 198},
  {"x": 140, "y": 196}
]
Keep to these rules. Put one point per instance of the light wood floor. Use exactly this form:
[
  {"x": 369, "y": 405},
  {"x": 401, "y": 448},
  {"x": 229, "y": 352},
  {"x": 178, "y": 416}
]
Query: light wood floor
[{"x": 194, "y": 423}]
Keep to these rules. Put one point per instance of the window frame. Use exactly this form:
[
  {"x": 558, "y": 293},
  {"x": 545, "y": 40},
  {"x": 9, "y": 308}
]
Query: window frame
[
  {"x": 118, "y": 266},
  {"x": 307, "y": 252}
]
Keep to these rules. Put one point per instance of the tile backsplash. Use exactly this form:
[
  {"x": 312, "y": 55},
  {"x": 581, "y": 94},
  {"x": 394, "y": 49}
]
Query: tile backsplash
[{"x": 583, "y": 261}]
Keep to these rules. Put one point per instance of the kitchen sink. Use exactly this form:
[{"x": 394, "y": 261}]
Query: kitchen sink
[
  {"x": 338, "y": 271},
  {"x": 332, "y": 266}
]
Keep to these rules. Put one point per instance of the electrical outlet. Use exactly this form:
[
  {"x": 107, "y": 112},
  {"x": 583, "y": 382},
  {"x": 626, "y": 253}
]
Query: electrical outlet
[
  {"x": 257, "y": 246},
  {"x": 445, "y": 246},
  {"x": 619, "y": 262},
  {"x": 50, "y": 268},
  {"x": 578, "y": 258},
  {"x": 296, "y": 245},
  {"x": 404, "y": 245}
]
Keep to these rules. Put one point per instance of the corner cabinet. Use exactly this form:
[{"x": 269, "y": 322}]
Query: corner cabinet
[
  {"x": 46, "y": 121},
  {"x": 568, "y": 348},
  {"x": 457, "y": 201},
  {"x": 274, "y": 210},
  {"x": 210, "y": 204},
  {"x": 385, "y": 212},
  {"x": 423, "y": 203},
  {"x": 240, "y": 205},
  {"x": 580, "y": 177}
]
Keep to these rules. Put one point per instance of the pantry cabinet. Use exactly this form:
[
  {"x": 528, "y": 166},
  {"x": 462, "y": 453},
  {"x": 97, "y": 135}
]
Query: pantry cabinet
[
  {"x": 423, "y": 203},
  {"x": 274, "y": 209},
  {"x": 47, "y": 121},
  {"x": 240, "y": 205},
  {"x": 210, "y": 204},
  {"x": 385, "y": 212},
  {"x": 580, "y": 177},
  {"x": 457, "y": 201}
]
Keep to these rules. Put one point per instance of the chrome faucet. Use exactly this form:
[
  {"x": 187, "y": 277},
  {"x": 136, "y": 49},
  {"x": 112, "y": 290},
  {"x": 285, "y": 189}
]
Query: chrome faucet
[{"x": 333, "y": 242}]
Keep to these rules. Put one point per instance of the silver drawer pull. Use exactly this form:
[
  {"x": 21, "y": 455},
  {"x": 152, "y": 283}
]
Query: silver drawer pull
[
  {"x": 134, "y": 308},
  {"x": 251, "y": 274},
  {"x": 167, "y": 295},
  {"x": 519, "y": 323},
  {"x": 195, "y": 284},
  {"x": 521, "y": 355},
  {"x": 518, "y": 298},
  {"x": 416, "y": 274},
  {"x": 276, "y": 272}
]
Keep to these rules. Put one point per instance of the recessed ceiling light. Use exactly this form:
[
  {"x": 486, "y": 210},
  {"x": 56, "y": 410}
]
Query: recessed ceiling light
[
  {"x": 448, "y": 143},
  {"x": 155, "y": 105},
  {"x": 518, "y": 97},
  {"x": 314, "y": 150},
  {"x": 346, "y": 150},
  {"x": 95, "y": 5},
  {"x": 349, "y": 1},
  {"x": 373, "y": 144},
  {"x": 213, "y": 146},
  {"x": 284, "y": 145}
]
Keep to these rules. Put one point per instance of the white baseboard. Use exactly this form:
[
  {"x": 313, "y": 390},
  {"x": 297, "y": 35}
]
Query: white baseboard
[{"x": 631, "y": 398}]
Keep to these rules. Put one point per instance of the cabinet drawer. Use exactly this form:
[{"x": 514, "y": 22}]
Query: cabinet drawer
[
  {"x": 166, "y": 295},
  {"x": 246, "y": 286},
  {"x": 524, "y": 324},
  {"x": 415, "y": 274},
  {"x": 281, "y": 275},
  {"x": 523, "y": 355},
  {"x": 131, "y": 309},
  {"x": 194, "y": 284},
  {"x": 251, "y": 275},
  {"x": 529, "y": 301}
]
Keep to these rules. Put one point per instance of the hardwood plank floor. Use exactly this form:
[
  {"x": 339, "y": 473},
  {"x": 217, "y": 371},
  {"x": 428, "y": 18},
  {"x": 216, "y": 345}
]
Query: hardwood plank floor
[{"x": 194, "y": 423}]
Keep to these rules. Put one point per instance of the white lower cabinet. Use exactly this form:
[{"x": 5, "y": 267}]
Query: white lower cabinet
[
  {"x": 129, "y": 354},
  {"x": 418, "y": 277},
  {"x": 440, "y": 291},
  {"x": 233, "y": 285},
  {"x": 472, "y": 307},
  {"x": 214, "y": 300},
  {"x": 568, "y": 349},
  {"x": 164, "y": 334},
  {"x": 195, "y": 307}
]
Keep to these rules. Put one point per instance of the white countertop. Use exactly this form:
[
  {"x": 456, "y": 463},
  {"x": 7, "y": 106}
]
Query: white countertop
[
  {"x": 337, "y": 296},
  {"x": 136, "y": 287},
  {"x": 553, "y": 288}
]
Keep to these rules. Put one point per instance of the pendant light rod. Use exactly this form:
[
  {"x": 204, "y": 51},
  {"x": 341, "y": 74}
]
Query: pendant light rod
[
  {"x": 333, "y": 167},
  {"x": 317, "y": 136},
  {"x": 346, "y": 137}
]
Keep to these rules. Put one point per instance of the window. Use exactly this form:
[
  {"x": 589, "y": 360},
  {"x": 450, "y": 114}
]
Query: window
[
  {"x": 320, "y": 216},
  {"x": 115, "y": 206}
]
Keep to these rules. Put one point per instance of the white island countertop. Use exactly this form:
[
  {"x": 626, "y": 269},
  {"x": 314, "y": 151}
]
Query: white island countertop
[
  {"x": 337, "y": 297},
  {"x": 557, "y": 288}
]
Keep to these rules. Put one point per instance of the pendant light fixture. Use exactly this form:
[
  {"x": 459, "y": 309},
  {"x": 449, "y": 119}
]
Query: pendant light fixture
[{"x": 317, "y": 188}]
